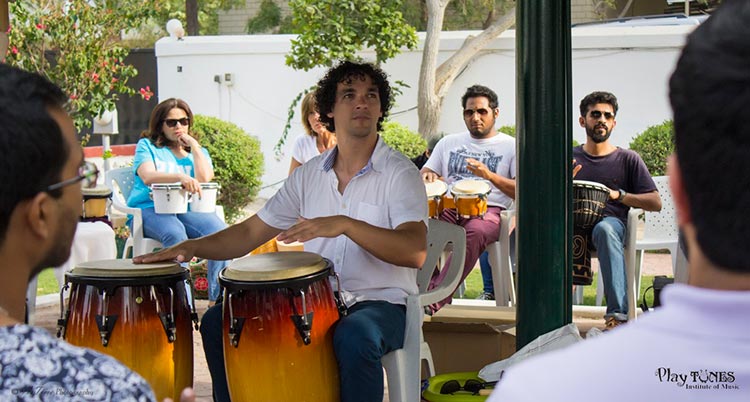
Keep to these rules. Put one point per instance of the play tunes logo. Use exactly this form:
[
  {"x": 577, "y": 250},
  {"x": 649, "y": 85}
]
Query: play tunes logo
[{"x": 697, "y": 379}]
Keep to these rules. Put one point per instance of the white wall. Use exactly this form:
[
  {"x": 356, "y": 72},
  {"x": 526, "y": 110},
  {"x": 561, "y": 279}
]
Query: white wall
[{"x": 634, "y": 63}]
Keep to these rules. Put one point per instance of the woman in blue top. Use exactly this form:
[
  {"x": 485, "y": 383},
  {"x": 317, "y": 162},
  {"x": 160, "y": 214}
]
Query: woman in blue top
[{"x": 169, "y": 152}]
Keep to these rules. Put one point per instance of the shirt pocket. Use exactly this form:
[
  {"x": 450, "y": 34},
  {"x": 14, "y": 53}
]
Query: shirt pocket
[{"x": 376, "y": 215}]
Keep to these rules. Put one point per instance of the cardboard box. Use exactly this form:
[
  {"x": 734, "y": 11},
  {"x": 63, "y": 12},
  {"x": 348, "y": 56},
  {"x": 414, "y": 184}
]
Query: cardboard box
[{"x": 464, "y": 338}]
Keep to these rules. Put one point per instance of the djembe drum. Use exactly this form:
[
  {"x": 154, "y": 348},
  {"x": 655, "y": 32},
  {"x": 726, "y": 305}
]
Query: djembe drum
[
  {"x": 279, "y": 315},
  {"x": 589, "y": 200},
  {"x": 139, "y": 314}
]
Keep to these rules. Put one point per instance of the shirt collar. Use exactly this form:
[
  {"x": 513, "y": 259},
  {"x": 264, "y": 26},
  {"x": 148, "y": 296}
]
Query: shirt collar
[{"x": 376, "y": 162}]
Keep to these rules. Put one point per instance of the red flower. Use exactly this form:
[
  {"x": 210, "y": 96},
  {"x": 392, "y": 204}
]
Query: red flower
[
  {"x": 41, "y": 26},
  {"x": 14, "y": 50},
  {"x": 146, "y": 93},
  {"x": 95, "y": 77},
  {"x": 73, "y": 96}
]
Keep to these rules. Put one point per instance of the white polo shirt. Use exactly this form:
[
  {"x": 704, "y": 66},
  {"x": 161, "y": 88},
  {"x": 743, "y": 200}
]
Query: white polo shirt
[{"x": 385, "y": 193}]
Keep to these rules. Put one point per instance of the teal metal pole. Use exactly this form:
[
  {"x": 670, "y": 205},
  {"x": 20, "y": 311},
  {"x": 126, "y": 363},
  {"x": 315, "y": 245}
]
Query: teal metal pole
[{"x": 543, "y": 120}]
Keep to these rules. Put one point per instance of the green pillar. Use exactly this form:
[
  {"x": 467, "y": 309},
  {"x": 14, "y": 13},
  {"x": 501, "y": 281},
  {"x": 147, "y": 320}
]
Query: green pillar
[{"x": 543, "y": 120}]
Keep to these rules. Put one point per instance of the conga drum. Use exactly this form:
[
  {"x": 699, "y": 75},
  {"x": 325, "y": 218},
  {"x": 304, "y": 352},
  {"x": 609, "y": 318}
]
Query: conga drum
[
  {"x": 169, "y": 198},
  {"x": 206, "y": 201},
  {"x": 138, "y": 314},
  {"x": 279, "y": 315},
  {"x": 470, "y": 197},
  {"x": 435, "y": 192},
  {"x": 589, "y": 200},
  {"x": 95, "y": 202}
]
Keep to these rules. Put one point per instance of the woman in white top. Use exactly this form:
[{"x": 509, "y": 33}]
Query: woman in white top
[{"x": 317, "y": 139}]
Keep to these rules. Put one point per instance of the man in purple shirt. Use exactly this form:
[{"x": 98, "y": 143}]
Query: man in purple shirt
[{"x": 630, "y": 185}]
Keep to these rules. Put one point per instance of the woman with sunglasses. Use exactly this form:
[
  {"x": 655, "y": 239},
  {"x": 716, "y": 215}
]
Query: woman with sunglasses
[
  {"x": 169, "y": 152},
  {"x": 317, "y": 139}
]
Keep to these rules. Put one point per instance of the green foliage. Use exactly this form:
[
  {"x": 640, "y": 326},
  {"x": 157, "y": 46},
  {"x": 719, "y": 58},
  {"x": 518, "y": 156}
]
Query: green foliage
[
  {"x": 269, "y": 16},
  {"x": 332, "y": 30},
  {"x": 238, "y": 162},
  {"x": 208, "y": 13},
  {"x": 654, "y": 145},
  {"x": 400, "y": 138},
  {"x": 76, "y": 45},
  {"x": 509, "y": 129}
]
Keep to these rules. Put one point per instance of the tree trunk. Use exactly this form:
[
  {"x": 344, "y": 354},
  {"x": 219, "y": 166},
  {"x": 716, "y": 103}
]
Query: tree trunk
[
  {"x": 435, "y": 82},
  {"x": 191, "y": 14}
]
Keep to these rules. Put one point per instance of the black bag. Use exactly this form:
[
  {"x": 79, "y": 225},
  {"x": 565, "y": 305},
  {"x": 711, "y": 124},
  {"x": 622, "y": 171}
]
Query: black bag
[{"x": 660, "y": 282}]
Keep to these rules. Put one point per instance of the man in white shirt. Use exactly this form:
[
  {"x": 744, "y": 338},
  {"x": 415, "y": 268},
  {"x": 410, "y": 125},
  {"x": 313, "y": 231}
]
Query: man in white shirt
[
  {"x": 482, "y": 153},
  {"x": 361, "y": 205},
  {"x": 696, "y": 347}
]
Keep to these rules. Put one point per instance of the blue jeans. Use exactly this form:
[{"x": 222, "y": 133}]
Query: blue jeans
[
  {"x": 171, "y": 229},
  {"x": 608, "y": 237},
  {"x": 486, "y": 268},
  {"x": 360, "y": 340}
]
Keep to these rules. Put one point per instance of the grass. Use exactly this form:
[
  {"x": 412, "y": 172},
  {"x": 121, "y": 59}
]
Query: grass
[
  {"x": 47, "y": 284},
  {"x": 474, "y": 287}
]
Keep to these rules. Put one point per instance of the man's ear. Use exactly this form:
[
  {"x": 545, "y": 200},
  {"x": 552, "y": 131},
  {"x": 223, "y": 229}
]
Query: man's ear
[
  {"x": 582, "y": 121},
  {"x": 681, "y": 202},
  {"x": 39, "y": 211}
]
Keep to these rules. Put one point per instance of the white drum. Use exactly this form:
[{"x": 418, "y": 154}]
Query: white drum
[
  {"x": 207, "y": 201},
  {"x": 169, "y": 198}
]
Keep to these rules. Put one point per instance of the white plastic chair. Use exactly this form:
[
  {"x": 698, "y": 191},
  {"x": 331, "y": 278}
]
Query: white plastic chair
[
  {"x": 501, "y": 264},
  {"x": 403, "y": 366},
  {"x": 124, "y": 179}
]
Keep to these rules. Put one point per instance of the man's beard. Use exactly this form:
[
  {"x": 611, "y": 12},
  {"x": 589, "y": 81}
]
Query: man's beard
[
  {"x": 598, "y": 138},
  {"x": 60, "y": 250}
]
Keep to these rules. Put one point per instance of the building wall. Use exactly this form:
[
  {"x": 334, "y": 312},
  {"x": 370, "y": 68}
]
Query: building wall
[
  {"x": 233, "y": 22},
  {"x": 582, "y": 11}
]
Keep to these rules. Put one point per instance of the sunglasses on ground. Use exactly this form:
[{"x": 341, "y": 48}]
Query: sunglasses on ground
[
  {"x": 597, "y": 114},
  {"x": 470, "y": 112},
  {"x": 471, "y": 385},
  {"x": 173, "y": 122}
]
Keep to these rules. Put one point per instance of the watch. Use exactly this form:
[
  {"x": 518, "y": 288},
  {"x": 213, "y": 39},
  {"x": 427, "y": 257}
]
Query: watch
[{"x": 622, "y": 195}]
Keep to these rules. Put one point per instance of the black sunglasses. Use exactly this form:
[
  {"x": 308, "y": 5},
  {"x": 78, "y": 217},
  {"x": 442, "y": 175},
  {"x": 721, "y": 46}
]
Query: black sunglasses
[
  {"x": 470, "y": 112},
  {"x": 173, "y": 122},
  {"x": 88, "y": 174},
  {"x": 453, "y": 386},
  {"x": 597, "y": 114}
]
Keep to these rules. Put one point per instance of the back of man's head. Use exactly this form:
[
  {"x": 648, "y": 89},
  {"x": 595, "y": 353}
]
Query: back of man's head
[
  {"x": 32, "y": 148},
  {"x": 710, "y": 92}
]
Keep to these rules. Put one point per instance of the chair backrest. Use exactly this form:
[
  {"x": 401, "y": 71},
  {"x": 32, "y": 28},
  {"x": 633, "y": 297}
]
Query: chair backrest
[
  {"x": 124, "y": 178},
  {"x": 662, "y": 224},
  {"x": 439, "y": 235}
]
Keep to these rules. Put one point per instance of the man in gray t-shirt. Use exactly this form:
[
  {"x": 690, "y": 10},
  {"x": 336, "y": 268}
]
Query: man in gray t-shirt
[{"x": 630, "y": 185}]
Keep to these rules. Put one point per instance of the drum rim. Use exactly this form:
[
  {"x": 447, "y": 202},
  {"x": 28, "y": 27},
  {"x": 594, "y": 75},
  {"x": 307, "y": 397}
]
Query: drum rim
[
  {"x": 210, "y": 186},
  {"x": 90, "y": 269},
  {"x": 300, "y": 282},
  {"x": 166, "y": 186},
  {"x": 320, "y": 264},
  {"x": 473, "y": 194},
  {"x": 443, "y": 185},
  {"x": 590, "y": 184}
]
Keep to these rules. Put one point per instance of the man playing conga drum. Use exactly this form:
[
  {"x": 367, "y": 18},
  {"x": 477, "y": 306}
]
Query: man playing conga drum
[
  {"x": 630, "y": 184},
  {"x": 361, "y": 205},
  {"x": 483, "y": 154}
]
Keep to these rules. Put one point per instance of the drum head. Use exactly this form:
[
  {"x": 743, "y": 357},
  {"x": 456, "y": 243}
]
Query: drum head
[
  {"x": 590, "y": 184},
  {"x": 272, "y": 267},
  {"x": 96, "y": 192},
  {"x": 166, "y": 186},
  {"x": 470, "y": 186},
  {"x": 124, "y": 268},
  {"x": 435, "y": 189}
]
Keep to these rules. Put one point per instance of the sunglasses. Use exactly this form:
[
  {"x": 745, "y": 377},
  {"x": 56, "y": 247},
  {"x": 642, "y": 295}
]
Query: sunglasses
[
  {"x": 173, "y": 122},
  {"x": 471, "y": 385},
  {"x": 88, "y": 174},
  {"x": 597, "y": 114},
  {"x": 481, "y": 112}
]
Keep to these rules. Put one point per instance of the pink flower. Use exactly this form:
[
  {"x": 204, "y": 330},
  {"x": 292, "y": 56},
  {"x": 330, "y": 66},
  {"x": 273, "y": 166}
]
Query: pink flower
[
  {"x": 146, "y": 93},
  {"x": 41, "y": 26},
  {"x": 73, "y": 96},
  {"x": 95, "y": 77},
  {"x": 14, "y": 50}
]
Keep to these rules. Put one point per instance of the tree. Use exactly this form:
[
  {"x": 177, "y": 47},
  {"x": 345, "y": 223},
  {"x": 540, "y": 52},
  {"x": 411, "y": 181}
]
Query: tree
[
  {"x": 335, "y": 29},
  {"x": 201, "y": 17},
  {"x": 76, "y": 44}
]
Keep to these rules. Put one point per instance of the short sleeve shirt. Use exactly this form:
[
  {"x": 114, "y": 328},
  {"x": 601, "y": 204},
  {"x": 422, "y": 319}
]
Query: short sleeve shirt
[
  {"x": 34, "y": 366},
  {"x": 305, "y": 148},
  {"x": 386, "y": 193},
  {"x": 164, "y": 161},
  {"x": 622, "y": 169},
  {"x": 498, "y": 153}
]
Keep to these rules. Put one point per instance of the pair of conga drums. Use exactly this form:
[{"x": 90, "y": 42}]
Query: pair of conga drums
[
  {"x": 171, "y": 198},
  {"x": 468, "y": 197}
]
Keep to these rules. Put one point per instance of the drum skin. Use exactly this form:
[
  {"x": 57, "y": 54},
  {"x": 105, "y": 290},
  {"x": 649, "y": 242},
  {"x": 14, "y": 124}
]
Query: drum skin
[
  {"x": 271, "y": 362},
  {"x": 138, "y": 339}
]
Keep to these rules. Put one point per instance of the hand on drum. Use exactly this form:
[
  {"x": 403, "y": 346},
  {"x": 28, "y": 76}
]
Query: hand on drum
[
  {"x": 477, "y": 168},
  {"x": 187, "y": 395},
  {"x": 180, "y": 253},
  {"x": 429, "y": 176},
  {"x": 576, "y": 168},
  {"x": 308, "y": 229},
  {"x": 190, "y": 184}
]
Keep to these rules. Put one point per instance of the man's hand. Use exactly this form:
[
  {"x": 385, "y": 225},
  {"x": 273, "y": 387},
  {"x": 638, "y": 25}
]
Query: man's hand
[
  {"x": 478, "y": 168},
  {"x": 187, "y": 395},
  {"x": 182, "y": 252},
  {"x": 308, "y": 229},
  {"x": 428, "y": 176},
  {"x": 576, "y": 168}
]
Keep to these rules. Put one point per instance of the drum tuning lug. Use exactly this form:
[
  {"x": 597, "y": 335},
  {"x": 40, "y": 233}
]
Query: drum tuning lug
[
  {"x": 105, "y": 324},
  {"x": 167, "y": 321},
  {"x": 303, "y": 323},
  {"x": 235, "y": 330},
  {"x": 62, "y": 323}
]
